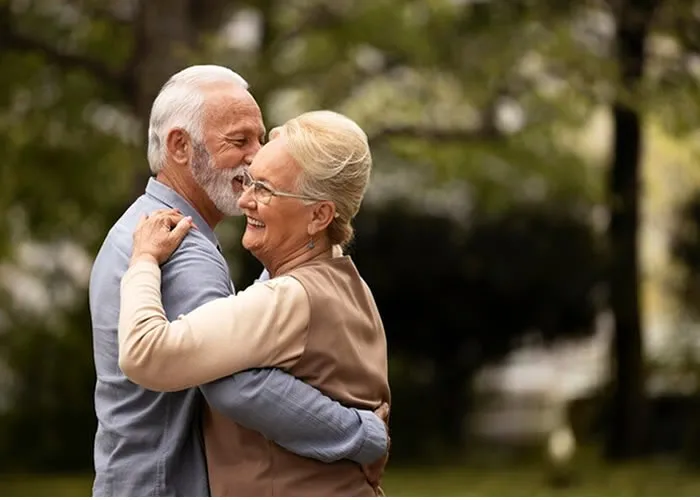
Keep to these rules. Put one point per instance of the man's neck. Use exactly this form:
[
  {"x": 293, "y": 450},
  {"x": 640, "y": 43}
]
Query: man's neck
[{"x": 194, "y": 195}]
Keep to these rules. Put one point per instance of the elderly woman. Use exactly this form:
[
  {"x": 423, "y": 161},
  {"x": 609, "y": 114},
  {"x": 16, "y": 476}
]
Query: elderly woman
[{"x": 315, "y": 317}]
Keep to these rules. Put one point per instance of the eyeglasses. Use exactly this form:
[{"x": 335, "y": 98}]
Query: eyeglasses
[{"x": 263, "y": 194}]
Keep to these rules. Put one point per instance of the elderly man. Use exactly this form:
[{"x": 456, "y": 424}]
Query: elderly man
[{"x": 204, "y": 129}]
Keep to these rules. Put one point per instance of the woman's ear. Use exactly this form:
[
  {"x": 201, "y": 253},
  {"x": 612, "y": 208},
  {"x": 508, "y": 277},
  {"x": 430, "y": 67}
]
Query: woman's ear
[
  {"x": 274, "y": 133},
  {"x": 178, "y": 146},
  {"x": 321, "y": 216}
]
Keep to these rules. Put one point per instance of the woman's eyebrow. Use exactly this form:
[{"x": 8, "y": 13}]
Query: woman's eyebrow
[{"x": 262, "y": 180}]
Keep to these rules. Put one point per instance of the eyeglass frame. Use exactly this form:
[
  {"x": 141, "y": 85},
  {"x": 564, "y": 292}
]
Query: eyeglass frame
[{"x": 249, "y": 181}]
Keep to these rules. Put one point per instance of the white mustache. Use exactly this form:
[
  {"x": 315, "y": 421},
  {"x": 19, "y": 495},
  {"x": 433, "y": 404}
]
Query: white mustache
[{"x": 231, "y": 173}]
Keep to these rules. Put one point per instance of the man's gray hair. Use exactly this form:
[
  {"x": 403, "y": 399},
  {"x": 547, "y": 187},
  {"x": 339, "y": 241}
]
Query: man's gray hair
[{"x": 180, "y": 104}]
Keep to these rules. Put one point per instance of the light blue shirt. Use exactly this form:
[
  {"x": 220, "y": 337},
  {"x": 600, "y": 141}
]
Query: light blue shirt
[{"x": 149, "y": 443}]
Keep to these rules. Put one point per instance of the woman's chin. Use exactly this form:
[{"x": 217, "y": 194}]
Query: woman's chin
[
  {"x": 245, "y": 242},
  {"x": 248, "y": 241}
]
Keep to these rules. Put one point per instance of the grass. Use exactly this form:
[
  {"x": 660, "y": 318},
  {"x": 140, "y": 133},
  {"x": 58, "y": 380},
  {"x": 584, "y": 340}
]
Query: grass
[
  {"x": 644, "y": 479},
  {"x": 45, "y": 486},
  {"x": 636, "y": 480}
]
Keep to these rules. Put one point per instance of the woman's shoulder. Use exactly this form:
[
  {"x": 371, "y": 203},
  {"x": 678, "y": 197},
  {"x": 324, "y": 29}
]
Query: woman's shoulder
[
  {"x": 284, "y": 281},
  {"x": 337, "y": 261},
  {"x": 285, "y": 284},
  {"x": 322, "y": 272}
]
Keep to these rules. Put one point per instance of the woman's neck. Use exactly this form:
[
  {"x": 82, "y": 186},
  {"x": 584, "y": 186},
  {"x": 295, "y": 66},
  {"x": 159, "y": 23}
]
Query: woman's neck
[{"x": 319, "y": 252}]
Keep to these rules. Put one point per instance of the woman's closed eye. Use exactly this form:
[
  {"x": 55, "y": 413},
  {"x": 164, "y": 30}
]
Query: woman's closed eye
[{"x": 262, "y": 189}]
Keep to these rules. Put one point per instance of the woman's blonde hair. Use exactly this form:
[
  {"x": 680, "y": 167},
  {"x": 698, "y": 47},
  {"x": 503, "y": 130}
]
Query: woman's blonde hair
[{"x": 334, "y": 156}]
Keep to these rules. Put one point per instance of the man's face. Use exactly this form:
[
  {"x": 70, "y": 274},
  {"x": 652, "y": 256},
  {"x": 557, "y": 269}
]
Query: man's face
[
  {"x": 216, "y": 182},
  {"x": 233, "y": 133}
]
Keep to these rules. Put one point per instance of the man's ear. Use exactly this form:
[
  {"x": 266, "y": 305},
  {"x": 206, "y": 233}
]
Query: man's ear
[
  {"x": 179, "y": 146},
  {"x": 321, "y": 217}
]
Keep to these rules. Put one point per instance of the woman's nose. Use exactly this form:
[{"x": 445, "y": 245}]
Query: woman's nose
[{"x": 247, "y": 200}]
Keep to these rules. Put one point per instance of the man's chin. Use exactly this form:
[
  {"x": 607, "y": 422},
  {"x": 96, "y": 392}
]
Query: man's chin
[{"x": 229, "y": 208}]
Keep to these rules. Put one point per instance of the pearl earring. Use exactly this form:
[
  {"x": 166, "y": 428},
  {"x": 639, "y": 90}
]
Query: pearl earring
[{"x": 311, "y": 243}]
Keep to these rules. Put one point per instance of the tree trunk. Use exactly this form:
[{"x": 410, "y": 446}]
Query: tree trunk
[
  {"x": 627, "y": 430},
  {"x": 163, "y": 35},
  {"x": 167, "y": 35}
]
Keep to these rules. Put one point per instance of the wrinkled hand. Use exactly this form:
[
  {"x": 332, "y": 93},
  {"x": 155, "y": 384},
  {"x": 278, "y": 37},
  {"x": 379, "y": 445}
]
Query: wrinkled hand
[
  {"x": 158, "y": 235},
  {"x": 375, "y": 471}
]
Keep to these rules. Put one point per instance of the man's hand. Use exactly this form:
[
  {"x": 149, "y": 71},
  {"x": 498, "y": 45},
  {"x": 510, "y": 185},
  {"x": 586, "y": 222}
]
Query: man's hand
[{"x": 375, "y": 471}]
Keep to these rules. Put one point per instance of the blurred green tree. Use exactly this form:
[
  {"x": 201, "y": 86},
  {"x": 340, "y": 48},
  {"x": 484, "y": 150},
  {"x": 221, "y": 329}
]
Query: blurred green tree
[
  {"x": 76, "y": 92},
  {"x": 477, "y": 94},
  {"x": 652, "y": 47},
  {"x": 627, "y": 432},
  {"x": 685, "y": 249},
  {"x": 471, "y": 295},
  {"x": 437, "y": 92}
]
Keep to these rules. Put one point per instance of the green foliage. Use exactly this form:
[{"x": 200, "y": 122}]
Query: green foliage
[
  {"x": 51, "y": 425},
  {"x": 65, "y": 165},
  {"x": 430, "y": 81},
  {"x": 454, "y": 298},
  {"x": 540, "y": 262},
  {"x": 685, "y": 249},
  {"x": 70, "y": 134}
]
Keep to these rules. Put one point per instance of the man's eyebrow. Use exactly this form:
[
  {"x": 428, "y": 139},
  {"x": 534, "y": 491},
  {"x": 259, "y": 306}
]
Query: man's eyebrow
[{"x": 246, "y": 130}]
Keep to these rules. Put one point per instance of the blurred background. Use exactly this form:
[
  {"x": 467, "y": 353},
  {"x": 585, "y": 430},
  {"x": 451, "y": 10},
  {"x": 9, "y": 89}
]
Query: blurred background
[{"x": 531, "y": 234}]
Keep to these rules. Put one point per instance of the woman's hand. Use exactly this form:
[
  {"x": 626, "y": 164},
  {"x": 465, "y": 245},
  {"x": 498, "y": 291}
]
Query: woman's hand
[
  {"x": 375, "y": 471},
  {"x": 158, "y": 235}
]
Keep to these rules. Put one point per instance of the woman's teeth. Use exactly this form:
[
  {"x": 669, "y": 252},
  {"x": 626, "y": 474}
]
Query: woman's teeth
[{"x": 255, "y": 223}]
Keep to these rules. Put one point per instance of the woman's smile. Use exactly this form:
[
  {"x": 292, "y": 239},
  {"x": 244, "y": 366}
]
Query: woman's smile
[{"x": 254, "y": 223}]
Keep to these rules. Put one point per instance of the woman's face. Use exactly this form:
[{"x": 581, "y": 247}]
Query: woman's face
[{"x": 279, "y": 230}]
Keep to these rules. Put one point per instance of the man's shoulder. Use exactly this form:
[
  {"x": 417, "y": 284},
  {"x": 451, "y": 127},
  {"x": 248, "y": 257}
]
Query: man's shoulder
[
  {"x": 115, "y": 251},
  {"x": 199, "y": 248},
  {"x": 195, "y": 255},
  {"x": 119, "y": 239},
  {"x": 196, "y": 273}
]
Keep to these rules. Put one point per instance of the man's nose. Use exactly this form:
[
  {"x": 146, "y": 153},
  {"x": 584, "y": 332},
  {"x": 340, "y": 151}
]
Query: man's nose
[{"x": 248, "y": 159}]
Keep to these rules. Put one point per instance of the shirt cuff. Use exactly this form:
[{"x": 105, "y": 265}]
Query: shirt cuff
[{"x": 375, "y": 443}]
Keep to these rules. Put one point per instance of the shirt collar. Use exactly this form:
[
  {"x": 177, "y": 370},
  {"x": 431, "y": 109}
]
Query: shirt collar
[{"x": 167, "y": 196}]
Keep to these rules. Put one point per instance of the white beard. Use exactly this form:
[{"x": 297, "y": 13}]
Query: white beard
[{"x": 216, "y": 182}]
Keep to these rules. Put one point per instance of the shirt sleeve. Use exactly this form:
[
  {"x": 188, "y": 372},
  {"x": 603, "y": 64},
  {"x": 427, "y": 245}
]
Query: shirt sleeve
[
  {"x": 263, "y": 326},
  {"x": 298, "y": 417}
]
